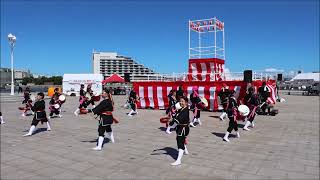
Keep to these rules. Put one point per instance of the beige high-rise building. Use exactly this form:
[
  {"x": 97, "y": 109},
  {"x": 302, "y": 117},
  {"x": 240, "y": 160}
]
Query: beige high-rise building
[{"x": 108, "y": 63}]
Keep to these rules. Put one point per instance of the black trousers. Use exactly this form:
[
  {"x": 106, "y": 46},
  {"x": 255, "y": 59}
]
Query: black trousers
[
  {"x": 102, "y": 129},
  {"x": 55, "y": 111},
  {"x": 193, "y": 107},
  {"x": 133, "y": 106},
  {"x": 171, "y": 123},
  {"x": 91, "y": 102},
  {"x": 84, "y": 104},
  {"x": 198, "y": 113},
  {"x": 180, "y": 141},
  {"x": 182, "y": 133},
  {"x": 36, "y": 121},
  {"x": 232, "y": 125},
  {"x": 251, "y": 117},
  {"x": 168, "y": 110}
]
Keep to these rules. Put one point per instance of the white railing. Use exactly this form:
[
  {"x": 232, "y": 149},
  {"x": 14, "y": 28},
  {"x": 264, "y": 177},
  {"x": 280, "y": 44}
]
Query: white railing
[{"x": 228, "y": 76}]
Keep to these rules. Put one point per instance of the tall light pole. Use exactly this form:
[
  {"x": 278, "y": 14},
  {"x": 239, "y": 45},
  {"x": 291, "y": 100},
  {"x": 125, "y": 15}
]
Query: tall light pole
[{"x": 12, "y": 39}]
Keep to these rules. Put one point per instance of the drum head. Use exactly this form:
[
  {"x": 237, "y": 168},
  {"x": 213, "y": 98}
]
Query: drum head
[
  {"x": 62, "y": 98},
  {"x": 88, "y": 96},
  {"x": 178, "y": 106},
  {"x": 32, "y": 97},
  {"x": 204, "y": 101},
  {"x": 57, "y": 106},
  {"x": 244, "y": 110}
]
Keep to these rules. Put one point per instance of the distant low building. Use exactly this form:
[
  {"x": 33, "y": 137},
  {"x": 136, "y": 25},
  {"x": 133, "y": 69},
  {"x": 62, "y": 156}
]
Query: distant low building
[
  {"x": 20, "y": 74},
  {"x": 5, "y": 76},
  {"x": 17, "y": 74}
]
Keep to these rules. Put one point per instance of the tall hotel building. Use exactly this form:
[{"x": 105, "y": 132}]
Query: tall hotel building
[{"x": 108, "y": 63}]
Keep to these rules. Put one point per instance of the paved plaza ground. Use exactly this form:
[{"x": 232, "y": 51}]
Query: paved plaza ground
[{"x": 285, "y": 146}]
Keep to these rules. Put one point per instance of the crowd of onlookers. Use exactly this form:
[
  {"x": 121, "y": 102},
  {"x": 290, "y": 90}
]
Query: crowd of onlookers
[{"x": 117, "y": 90}]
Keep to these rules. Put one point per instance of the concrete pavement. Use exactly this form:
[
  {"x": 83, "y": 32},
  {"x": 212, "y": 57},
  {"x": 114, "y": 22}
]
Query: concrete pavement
[{"x": 285, "y": 146}]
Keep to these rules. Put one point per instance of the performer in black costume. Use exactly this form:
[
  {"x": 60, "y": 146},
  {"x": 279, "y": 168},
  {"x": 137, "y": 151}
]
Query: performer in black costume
[
  {"x": 27, "y": 101},
  {"x": 251, "y": 100},
  {"x": 232, "y": 115},
  {"x": 55, "y": 100},
  {"x": 90, "y": 91},
  {"x": 132, "y": 101},
  {"x": 180, "y": 93},
  {"x": 195, "y": 106},
  {"x": 82, "y": 100},
  {"x": 224, "y": 99},
  {"x": 171, "y": 111},
  {"x": 264, "y": 93},
  {"x": 40, "y": 114},
  {"x": 172, "y": 101},
  {"x": 26, "y": 95},
  {"x": 104, "y": 110},
  {"x": 1, "y": 118},
  {"x": 182, "y": 120}
]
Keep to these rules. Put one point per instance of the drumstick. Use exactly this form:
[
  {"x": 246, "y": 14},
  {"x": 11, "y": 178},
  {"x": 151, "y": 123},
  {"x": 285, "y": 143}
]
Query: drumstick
[
  {"x": 93, "y": 115},
  {"x": 262, "y": 104}
]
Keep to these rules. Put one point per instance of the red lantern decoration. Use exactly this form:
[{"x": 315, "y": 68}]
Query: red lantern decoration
[
  {"x": 204, "y": 22},
  {"x": 210, "y": 22},
  {"x": 198, "y": 23}
]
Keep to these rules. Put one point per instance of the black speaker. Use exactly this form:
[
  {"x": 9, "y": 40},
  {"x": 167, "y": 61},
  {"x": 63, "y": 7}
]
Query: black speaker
[
  {"x": 279, "y": 78},
  {"x": 247, "y": 76},
  {"x": 127, "y": 77}
]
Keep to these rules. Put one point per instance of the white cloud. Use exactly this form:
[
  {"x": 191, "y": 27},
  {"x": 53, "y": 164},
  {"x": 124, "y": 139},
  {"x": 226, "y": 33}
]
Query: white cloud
[
  {"x": 273, "y": 70},
  {"x": 232, "y": 75},
  {"x": 226, "y": 70}
]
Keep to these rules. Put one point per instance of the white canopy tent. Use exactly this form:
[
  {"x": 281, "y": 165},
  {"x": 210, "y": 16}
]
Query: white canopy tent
[{"x": 307, "y": 76}]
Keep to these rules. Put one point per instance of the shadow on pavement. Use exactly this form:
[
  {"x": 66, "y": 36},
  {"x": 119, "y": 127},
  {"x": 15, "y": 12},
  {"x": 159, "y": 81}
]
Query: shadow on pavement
[
  {"x": 167, "y": 151},
  {"x": 39, "y": 130},
  {"x": 240, "y": 125},
  {"x": 106, "y": 140},
  {"x": 217, "y": 117},
  {"x": 163, "y": 128},
  {"x": 221, "y": 135}
]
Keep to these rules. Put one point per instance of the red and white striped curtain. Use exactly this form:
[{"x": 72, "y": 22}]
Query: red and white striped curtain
[
  {"x": 206, "y": 69},
  {"x": 154, "y": 94}
]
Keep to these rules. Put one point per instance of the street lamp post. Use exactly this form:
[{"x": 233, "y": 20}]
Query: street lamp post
[{"x": 12, "y": 39}]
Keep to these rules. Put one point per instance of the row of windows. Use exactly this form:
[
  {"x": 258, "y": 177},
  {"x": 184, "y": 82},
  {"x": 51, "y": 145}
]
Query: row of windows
[
  {"x": 136, "y": 72},
  {"x": 119, "y": 61},
  {"x": 122, "y": 65},
  {"x": 121, "y": 68}
]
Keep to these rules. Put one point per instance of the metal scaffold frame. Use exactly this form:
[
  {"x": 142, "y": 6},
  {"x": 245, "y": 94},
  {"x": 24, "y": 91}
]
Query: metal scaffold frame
[{"x": 202, "y": 29}]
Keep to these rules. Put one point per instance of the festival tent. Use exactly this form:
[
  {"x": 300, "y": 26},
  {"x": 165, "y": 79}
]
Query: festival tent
[
  {"x": 307, "y": 76},
  {"x": 115, "y": 78}
]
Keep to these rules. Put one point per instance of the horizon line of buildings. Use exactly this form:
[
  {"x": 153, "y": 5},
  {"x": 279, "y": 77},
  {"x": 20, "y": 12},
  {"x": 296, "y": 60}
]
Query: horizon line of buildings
[{"x": 107, "y": 64}]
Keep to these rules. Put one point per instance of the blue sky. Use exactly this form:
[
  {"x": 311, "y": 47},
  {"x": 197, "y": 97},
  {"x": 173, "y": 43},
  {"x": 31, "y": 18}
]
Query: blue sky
[{"x": 57, "y": 37}]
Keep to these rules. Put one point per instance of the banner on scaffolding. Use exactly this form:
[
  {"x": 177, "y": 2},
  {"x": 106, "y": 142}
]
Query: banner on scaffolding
[
  {"x": 154, "y": 94},
  {"x": 210, "y": 69}
]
